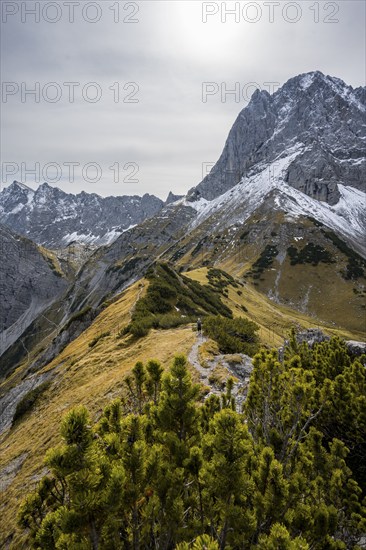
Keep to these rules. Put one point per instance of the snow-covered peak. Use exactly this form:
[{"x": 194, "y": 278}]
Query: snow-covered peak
[
  {"x": 14, "y": 197},
  {"x": 313, "y": 109},
  {"x": 236, "y": 206},
  {"x": 307, "y": 79},
  {"x": 53, "y": 218},
  {"x": 22, "y": 186},
  {"x": 17, "y": 187},
  {"x": 319, "y": 85},
  {"x": 45, "y": 188}
]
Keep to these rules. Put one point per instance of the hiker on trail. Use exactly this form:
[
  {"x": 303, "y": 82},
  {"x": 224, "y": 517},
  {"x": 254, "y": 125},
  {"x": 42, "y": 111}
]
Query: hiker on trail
[{"x": 199, "y": 326}]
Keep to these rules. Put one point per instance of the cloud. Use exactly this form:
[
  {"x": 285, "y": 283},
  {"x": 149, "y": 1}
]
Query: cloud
[{"x": 158, "y": 66}]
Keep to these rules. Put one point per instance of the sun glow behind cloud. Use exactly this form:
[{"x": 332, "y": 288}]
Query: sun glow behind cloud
[{"x": 201, "y": 41}]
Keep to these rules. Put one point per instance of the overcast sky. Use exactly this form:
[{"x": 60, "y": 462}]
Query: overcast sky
[{"x": 152, "y": 131}]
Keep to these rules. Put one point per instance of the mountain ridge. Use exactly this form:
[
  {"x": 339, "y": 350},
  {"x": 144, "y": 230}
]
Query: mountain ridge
[
  {"x": 311, "y": 108},
  {"x": 53, "y": 218}
]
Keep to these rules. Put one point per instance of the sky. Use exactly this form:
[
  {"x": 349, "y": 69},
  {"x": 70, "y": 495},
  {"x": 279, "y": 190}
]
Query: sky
[{"x": 122, "y": 98}]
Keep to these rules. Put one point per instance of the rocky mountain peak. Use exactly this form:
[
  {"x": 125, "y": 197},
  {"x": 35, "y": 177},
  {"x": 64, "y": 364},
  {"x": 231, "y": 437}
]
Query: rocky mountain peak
[
  {"x": 172, "y": 198},
  {"x": 22, "y": 186},
  {"x": 15, "y": 197},
  {"x": 319, "y": 113},
  {"x": 54, "y": 218},
  {"x": 17, "y": 188}
]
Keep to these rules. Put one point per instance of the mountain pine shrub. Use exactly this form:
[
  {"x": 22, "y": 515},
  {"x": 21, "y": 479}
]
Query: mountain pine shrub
[
  {"x": 232, "y": 335},
  {"x": 162, "y": 469}
]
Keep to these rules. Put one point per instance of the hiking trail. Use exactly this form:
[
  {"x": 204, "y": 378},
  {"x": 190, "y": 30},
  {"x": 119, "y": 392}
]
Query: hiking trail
[{"x": 239, "y": 370}]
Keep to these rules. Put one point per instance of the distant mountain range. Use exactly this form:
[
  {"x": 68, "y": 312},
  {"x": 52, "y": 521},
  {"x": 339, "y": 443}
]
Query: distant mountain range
[{"x": 54, "y": 219}]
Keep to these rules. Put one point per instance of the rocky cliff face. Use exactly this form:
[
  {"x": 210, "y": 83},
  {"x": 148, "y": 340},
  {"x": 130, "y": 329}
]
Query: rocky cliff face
[
  {"x": 54, "y": 219},
  {"x": 319, "y": 113},
  {"x": 173, "y": 198},
  {"x": 30, "y": 279}
]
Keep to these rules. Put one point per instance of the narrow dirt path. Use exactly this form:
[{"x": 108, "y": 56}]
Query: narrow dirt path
[
  {"x": 133, "y": 307},
  {"x": 193, "y": 356},
  {"x": 240, "y": 371}
]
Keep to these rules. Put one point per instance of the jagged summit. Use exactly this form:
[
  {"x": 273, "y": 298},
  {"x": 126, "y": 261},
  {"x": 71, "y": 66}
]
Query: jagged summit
[
  {"x": 16, "y": 189},
  {"x": 17, "y": 184},
  {"x": 172, "y": 198},
  {"x": 53, "y": 218},
  {"x": 319, "y": 113},
  {"x": 305, "y": 80}
]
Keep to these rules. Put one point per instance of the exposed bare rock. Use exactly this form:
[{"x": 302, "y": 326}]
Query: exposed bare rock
[
  {"x": 9, "y": 401},
  {"x": 53, "y": 218},
  {"x": 356, "y": 348},
  {"x": 319, "y": 112},
  {"x": 8, "y": 473},
  {"x": 30, "y": 279}
]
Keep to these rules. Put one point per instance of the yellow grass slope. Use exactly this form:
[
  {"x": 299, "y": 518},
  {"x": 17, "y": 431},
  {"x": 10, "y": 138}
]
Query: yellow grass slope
[
  {"x": 83, "y": 375},
  {"x": 93, "y": 375},
  {"x": 275, "y": 321}
]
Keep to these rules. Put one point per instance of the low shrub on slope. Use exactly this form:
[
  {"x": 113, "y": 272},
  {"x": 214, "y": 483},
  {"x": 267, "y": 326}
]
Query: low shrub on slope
[
  {"x": 162, "y": 470},
  {"x": 171, "y": 300}
]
